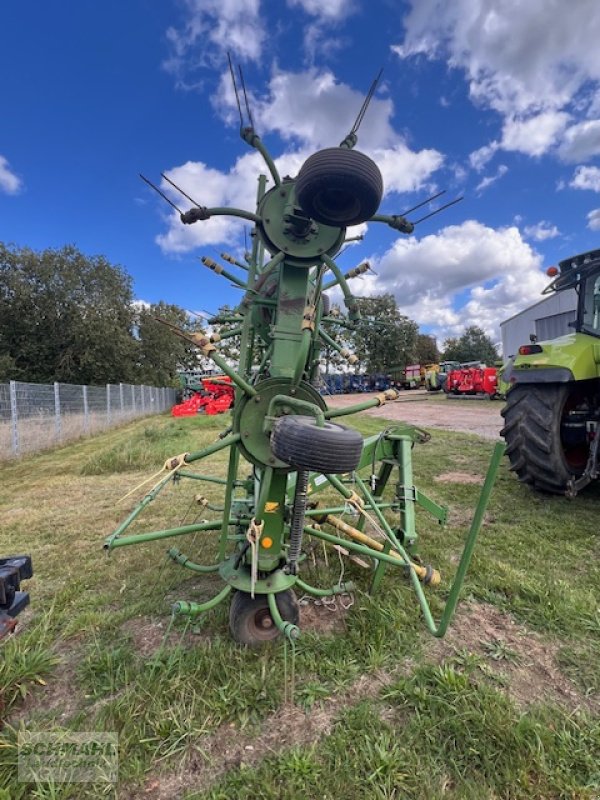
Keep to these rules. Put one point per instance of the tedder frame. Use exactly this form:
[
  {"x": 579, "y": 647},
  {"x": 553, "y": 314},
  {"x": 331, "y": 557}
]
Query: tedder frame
[{"x": 282, "y": 429}]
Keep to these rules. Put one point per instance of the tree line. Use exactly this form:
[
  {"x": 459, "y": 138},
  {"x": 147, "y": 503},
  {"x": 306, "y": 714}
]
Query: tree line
[
  {"x": 386, "y": 340},
  {"x": 70, "y": 317}
]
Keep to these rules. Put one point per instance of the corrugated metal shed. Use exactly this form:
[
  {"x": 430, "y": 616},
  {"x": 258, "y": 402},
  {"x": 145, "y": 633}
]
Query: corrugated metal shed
[{"x": 547, "y": 319}]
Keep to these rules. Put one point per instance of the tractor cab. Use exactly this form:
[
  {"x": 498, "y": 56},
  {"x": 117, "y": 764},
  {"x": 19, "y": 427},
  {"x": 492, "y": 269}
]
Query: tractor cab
[{"x": 582, "y": 273}]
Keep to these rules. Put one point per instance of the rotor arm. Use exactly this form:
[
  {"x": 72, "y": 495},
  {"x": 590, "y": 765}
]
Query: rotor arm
[
  {"x": 253, "y": 139},
  {"x": 201, "y": 213},
  {"x": 395, "y": 221}
]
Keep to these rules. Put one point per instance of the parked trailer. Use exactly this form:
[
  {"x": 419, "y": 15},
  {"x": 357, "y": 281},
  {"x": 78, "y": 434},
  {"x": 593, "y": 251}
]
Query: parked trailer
[{"x": 472, "y": 380}]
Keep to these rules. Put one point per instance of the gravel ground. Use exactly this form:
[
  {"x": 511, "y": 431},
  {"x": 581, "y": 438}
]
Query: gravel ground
[{"x": 418, "y": 407}]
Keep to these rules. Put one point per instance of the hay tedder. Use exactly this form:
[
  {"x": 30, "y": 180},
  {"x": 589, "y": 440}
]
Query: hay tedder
[{"x": 284, "y": 445}]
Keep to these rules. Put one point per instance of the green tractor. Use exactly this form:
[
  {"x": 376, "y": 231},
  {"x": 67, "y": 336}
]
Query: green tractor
[{"x": 552, "y": 411}]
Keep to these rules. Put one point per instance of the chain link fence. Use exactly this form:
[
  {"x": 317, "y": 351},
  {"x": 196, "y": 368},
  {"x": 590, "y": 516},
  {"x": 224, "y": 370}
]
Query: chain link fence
[{"x": 35, "y": 416}]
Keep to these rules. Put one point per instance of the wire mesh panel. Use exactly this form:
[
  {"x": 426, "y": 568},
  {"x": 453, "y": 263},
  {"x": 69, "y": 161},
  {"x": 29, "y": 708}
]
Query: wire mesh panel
[
  {"x": 73, "y": 421},
  {"x": 97, "y": 408},
  {"x": 35, "y": 416},
  {"x": 37, "y": 422},
  {"x": 6, "y": 429}
]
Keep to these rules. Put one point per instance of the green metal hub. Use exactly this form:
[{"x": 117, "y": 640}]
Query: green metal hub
[
  {"x": 240, "y": 579},
  {"x": 255, "y": 444},
  {"x": 286, "y": 229}
]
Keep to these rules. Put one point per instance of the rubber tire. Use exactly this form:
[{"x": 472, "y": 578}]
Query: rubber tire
[
  {"x": 339, "y": 187},
  {"x": 332, "y": 449},
  {"x": 532, "y": 420},
  {"x": 245, "y": 614}
]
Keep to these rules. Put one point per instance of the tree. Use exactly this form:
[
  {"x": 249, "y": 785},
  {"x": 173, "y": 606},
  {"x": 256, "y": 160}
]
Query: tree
[
  {"x": 64, "y": 316},
  {"x": 426, "y": 350},
  {"x": 160, "y": 352},
  {"x": 384, "y": 338},
  {"x": 473, "y": 345}
]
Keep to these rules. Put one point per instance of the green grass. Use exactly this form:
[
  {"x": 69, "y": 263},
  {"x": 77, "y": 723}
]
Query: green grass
[
  {"x": 446, "y": 736},
  {"x": 96, "y": 624}
]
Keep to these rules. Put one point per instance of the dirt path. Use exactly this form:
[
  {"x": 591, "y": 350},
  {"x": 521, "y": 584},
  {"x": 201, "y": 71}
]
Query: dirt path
[{"x": 417, "y": 407}]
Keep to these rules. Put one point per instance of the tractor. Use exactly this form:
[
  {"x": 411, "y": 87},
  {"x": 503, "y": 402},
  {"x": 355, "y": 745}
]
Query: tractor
[{"x": 552, "y": 411}]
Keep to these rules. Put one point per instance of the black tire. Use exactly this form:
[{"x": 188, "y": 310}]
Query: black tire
[
  {"x": 250, "y": 620},
  {"x": 533, "y": 417},
  {"x": 332, "y": 449},
  {"x": 339, "y": 187}
]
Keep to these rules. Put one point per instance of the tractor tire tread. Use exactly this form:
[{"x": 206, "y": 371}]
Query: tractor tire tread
[{"x": 532, "y": 433}]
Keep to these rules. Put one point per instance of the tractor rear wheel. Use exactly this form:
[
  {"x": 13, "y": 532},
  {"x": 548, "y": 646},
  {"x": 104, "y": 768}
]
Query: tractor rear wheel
[
  {"x": 250, "y": 620},
  {"x": 301, "y": 443},
  {"x": 545, "y": 436}
]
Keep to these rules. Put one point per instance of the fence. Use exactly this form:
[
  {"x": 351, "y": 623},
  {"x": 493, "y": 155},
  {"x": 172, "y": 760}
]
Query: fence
[{"x": 34, "y": 416}]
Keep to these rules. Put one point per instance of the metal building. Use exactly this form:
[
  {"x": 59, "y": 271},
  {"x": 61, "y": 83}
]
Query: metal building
[{"x": 547, "y": 319}]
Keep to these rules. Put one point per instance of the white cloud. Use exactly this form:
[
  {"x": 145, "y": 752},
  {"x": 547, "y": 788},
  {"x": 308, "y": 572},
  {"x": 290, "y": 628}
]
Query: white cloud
[
  {"x": 581, "y": 141},
  {"x": 487, "y": 181},
  {"x": 210, "y": 29},
  {"x": 479, "y": 158},
  {"x": 312, "y": 107},
  {"x": 535, "y": 135},
  {"x": 541, "y": 231},
  {"x": 532, "y": 62},
  {"x": 518, "y": 57},
  {"x": 586, "y": 178},
  {"x": 403, "y": 169},
  {"x": 466, "y": 274},
  {"x": 328, "y": 9},
  {"x": 593, "y": 219},
  {"x": 327, "y": 16},
  {"x": 9, "y": 182}
]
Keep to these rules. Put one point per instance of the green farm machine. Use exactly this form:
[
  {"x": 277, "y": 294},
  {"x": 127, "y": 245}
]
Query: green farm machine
[
  {"x": 552, "y": 412},
  {"x": 284, "y": 445}
]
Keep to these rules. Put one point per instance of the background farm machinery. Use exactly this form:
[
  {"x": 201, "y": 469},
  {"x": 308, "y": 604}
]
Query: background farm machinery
[
  {"x": 284, "y": 445},
  {"x": 472, "y": 379},
  {"x": 210, "y": 396}
]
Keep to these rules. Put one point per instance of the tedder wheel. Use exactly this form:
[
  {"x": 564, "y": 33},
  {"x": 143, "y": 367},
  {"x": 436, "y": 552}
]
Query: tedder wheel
[
  {"x": 339, "y": 187},
  {"x": 332, "y": 449},
  {"x": 250, "y": 619},
  {"x": 544, "y": 447}
]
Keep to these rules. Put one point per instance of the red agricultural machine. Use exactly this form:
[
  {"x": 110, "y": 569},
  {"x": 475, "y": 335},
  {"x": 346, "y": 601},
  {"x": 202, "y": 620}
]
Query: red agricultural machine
[
  {"x": 212, "y": 396},
  {"x": 472, "y": 379}
]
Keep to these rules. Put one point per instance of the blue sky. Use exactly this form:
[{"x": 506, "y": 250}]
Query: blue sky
[{"x": 498, "y": 100}]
